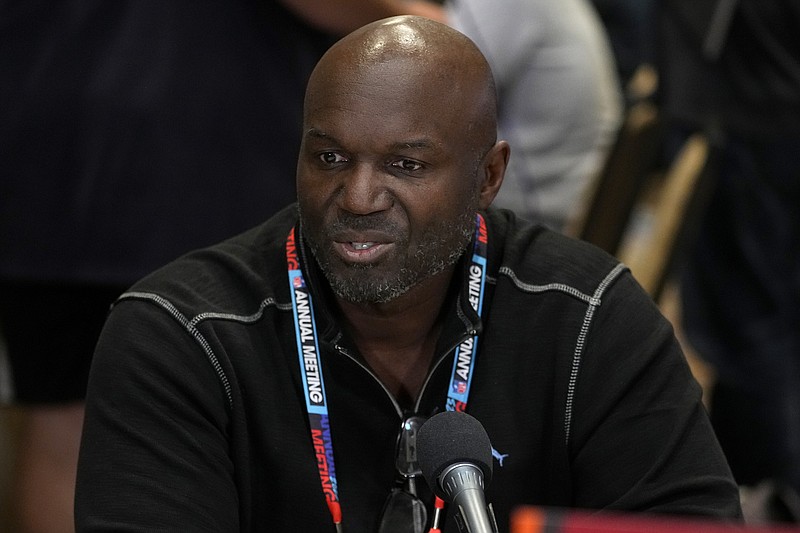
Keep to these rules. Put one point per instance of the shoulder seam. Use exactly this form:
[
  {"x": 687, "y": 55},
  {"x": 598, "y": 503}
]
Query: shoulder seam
[
  {"x": 558, "y": 287},
  {"x": 190, "y": 326},
  {"x": 245, "y": 319},
  {"x": 594, "y": 302}
]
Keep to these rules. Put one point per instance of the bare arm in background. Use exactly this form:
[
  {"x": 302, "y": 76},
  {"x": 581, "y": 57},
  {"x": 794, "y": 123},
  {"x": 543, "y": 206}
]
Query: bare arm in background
[{"x": 343, "y": 16}]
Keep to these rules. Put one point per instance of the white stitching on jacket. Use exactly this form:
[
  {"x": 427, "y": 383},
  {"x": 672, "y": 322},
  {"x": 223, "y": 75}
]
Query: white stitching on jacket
[
  {"x": 579, "y": 346},
  {"x": 593, "y": 302}
]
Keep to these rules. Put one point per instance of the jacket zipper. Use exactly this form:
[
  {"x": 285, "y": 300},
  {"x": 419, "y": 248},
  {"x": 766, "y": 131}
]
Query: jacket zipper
[{"x": 391, "y": 397}]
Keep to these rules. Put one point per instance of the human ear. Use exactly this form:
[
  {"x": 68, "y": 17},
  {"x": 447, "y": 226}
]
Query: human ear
[{"x": 494, "y": 169}]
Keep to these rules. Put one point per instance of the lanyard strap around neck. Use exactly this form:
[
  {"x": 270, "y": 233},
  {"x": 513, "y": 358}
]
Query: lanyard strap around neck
[
  {"x": 311, "y": 362},
  {"x": 464, "y": 359},
  {"x": 313, "y": 384}
]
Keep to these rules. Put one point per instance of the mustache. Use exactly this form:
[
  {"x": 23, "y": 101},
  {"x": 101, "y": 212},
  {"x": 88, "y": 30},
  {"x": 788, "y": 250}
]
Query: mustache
[{"x": 377, "y": 222}]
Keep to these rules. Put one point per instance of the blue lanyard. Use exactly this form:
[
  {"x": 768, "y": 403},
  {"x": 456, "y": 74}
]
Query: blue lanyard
[
  {"x": 313, "y": 384},
  {"x": 464, "y": 359},
  {"x": 311, "y": 363}
]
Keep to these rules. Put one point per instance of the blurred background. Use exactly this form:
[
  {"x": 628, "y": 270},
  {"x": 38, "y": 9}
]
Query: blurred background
[{"x": 666, "y": 132}]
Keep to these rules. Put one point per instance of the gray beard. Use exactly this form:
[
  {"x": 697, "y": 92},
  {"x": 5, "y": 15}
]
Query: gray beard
[{"x": 441, "y": 247}]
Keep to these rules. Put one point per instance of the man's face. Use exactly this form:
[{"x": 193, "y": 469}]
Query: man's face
[{"x": 387, "y": 183}]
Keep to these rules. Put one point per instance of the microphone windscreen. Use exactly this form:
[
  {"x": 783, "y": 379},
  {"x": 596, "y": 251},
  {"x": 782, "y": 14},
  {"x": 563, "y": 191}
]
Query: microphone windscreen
[{"x": 452, "y": 437}]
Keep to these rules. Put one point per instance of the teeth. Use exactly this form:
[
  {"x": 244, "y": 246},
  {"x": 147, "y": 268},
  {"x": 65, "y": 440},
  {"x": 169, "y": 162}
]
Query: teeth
[{"x": 362, "y": 245}]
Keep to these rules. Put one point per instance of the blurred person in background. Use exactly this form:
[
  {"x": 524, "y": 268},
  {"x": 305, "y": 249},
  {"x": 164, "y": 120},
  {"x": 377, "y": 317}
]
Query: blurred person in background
[
  {"x": 630, "y": 25},
  {"x": 559, "y": 97},
  {"x": 131, "y": 132},
  {"x": 732, "y": 69}
]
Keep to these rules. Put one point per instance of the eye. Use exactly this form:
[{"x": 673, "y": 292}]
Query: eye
[
  {"x": 332, "y": 158},
  {"x": 407, "y": 165}
]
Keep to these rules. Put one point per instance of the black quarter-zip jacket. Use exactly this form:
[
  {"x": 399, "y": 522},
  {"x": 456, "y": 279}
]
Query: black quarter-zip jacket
[{"x": 196, "y": 415}]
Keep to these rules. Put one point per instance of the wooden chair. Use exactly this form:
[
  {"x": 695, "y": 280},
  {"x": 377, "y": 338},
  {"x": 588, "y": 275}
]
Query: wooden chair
[
  {"x": 675, "y": 210},
  {"x": 618, "y": 185}
]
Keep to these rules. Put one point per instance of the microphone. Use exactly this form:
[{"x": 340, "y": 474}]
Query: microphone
[{"x": 455, "y": 456}]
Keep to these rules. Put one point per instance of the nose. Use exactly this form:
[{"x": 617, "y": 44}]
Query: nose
[{"x": 363, "y": 190}]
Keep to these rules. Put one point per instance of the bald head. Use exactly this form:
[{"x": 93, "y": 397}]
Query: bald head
[
  {"x": 398, "y": 153},
  {"x": 428, "y": 66}
]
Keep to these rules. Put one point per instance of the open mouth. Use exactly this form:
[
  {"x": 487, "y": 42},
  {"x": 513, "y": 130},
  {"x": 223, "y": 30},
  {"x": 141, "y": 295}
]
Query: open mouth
[{"x": 361, "y": 251}]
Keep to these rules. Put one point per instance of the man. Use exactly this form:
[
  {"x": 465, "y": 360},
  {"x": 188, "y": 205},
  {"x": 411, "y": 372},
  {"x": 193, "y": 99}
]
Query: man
[{"x": 246, "y": 385}]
